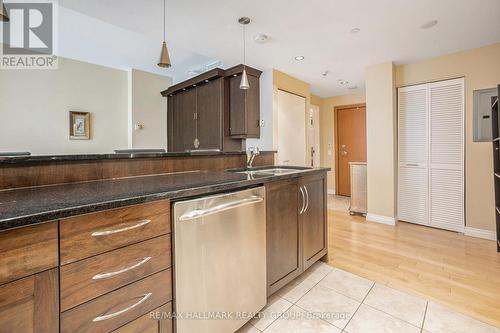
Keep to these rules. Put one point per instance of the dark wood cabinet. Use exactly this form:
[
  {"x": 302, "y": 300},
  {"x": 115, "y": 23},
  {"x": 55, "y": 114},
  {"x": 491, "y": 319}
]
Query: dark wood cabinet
[
  {"x": 284, "y": 261},
  {"x": 31, "y": 304},
  {"x": 209, "y": 114},
  {"x": 313, "y": 219},
  {"x": 296, "y": 227},
  {"x": 244, "y": 105},
  {"x": 210, "y": 111}
]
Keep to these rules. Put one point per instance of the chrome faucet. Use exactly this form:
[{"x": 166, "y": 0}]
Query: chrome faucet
[{"x": 254, "y": 151}]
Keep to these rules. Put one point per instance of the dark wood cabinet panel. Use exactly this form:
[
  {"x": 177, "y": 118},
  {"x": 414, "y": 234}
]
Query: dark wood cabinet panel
[
  {"x": 314, "y": 219},
  {"x": 283, "y": 234},
  {"x": 209, "y": 114},
  {"x": 87, "y": 279},
  {"x": 244, "y": 106},
  {"x": 157, "y": 321},
  {"x": 184, "y": 120},
  {"x": 28, "y": 250},
  {"x": 236, "y": 106},
  {"x": 119, "y": 307},
  {"x": 88, "y": 235},
  {"x": 30, "y": 304}
]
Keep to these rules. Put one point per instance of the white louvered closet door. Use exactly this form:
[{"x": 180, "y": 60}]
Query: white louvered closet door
[
  {"x": 413, "y": 154},
  {"x": 446, "y": 146}
]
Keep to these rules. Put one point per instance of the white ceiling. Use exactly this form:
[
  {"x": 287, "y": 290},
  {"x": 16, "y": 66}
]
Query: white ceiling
[{"x": 128, "y": 33}]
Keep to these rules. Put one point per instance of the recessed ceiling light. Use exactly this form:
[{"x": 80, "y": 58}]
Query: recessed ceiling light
[
  {"x": 429, "y": 24},
  {"x": 299, "y": 58},
  {"x": 325, "y": 73},
  {"x": 355, "y": 30},
  {"x": 343, "y": 82},
  {"x": 261, "y": 38}
]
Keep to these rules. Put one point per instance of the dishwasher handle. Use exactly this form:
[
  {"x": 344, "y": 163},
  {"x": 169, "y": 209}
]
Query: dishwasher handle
[{"x": 194, "y": 214}]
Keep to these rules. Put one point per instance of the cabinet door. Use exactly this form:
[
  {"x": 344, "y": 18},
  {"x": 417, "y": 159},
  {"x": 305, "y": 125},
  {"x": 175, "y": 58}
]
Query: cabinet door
[
  {"x": 236, "y": 107},
  {"x": 31, "y": 304},
  {"x": 252, "y": 108},
  {"x": 209, "y": 110},
  {"x": 244, "y": 108},
  {"x": 185, "y": 120},
  {"x": 284, "y": 261},
  {"x": 313, "y": 218}
]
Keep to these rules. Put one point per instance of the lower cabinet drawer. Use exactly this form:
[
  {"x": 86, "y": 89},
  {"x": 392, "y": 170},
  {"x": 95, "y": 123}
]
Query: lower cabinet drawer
[
  {"x": 113, "y": 310},
  {"x": 156, "y": 321},
  {"x": 90, "y": 278}
]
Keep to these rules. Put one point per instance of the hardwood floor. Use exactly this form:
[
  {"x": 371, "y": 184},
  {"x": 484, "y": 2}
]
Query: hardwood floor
[{"x": 452, "y": 269}]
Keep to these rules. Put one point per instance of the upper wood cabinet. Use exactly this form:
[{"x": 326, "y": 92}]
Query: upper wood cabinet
[
  {"x": 210, "y": 111},
  {"x": 244, "y": 105}
]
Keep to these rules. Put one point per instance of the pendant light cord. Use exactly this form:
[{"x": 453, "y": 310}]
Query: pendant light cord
[
  {"x": 164, "y": 19},
  {"x": 244, "y": 46}
]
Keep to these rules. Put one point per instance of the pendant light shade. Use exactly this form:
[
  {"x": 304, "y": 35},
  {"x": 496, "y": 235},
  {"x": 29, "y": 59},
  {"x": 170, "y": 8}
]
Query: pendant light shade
[
  {"x": 164, "y": 56},
  {"x": 244, "y": 81},
  {"x": 4, "y": 16},
  {"x": 244, "y": 85}
]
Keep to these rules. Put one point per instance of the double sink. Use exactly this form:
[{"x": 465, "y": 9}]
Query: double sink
[{"x": 276, "y": 171}]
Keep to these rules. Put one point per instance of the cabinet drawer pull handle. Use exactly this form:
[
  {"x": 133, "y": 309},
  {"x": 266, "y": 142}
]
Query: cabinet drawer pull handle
[
  {"x": 111, "y": 274},
  {"x": 307, "y": 199},
  {"x": 117, "y": 313},
  {"x": 115, "y": 231}
]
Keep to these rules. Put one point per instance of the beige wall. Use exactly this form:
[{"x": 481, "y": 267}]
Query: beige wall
[
  {"x": 481, "y": 69},
  {"x": 149, "y": 108},
  {"x": 35, "y": 105},
  {"x": 381, "y": 138},
  {"x": 327, "y": 133}
]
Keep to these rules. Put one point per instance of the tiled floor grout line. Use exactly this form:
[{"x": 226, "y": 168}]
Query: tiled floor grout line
[
  {"x": 361, "y": 303},
  {"x": 425, "y": 314},
  {"x": 295, "y": 303}
]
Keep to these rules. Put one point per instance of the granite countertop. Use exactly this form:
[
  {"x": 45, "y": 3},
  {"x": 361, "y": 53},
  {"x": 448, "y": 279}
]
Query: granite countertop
[
  {"x": 34, "y": 159},
  {"x": 27, "y": 206}
]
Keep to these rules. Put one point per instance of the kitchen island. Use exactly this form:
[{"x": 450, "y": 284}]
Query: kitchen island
[{"x": 97, "y": 256}]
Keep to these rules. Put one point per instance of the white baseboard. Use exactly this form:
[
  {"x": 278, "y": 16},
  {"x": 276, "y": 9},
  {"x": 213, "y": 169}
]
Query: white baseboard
[
  {"x": 480, "y": 233},
  {"x": 381, "y": 219},
  {"x": 331, "y": 191}
]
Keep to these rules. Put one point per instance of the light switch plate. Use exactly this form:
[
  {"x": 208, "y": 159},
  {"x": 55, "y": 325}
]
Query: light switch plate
[{"x": 262, "y": 123}]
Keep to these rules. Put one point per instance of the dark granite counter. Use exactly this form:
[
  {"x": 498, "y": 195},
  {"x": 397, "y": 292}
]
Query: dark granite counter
[
  {"x": 22, "y": 207},
  {"x": 36, "y": 159}
]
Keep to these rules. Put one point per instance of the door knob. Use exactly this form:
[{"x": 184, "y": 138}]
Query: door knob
[{"x": 344, "y": 153}]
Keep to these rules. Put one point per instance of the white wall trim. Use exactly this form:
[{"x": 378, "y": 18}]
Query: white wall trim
[
  {"x": 480, "y": 233},
  {"x": 381, "y": 219},
  {"x": 330, "y": 191}
]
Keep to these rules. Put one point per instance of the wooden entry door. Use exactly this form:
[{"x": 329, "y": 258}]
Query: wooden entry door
[{"x": 350, "y": 126}]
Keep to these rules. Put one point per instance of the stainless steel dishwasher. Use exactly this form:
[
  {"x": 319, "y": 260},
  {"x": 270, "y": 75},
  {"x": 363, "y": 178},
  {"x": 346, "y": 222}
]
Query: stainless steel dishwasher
[{"x": 220, "y": 261}]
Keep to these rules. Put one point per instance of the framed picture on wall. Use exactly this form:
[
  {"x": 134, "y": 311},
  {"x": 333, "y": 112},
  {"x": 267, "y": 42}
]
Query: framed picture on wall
[{"x": 79, "y": 125}]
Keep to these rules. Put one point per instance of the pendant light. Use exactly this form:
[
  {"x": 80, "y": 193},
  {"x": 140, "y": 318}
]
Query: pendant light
[
  {"x": 244, "y": 78},
  {"x": 164, "y": 57},
  {"x": 4, "y": 16}
]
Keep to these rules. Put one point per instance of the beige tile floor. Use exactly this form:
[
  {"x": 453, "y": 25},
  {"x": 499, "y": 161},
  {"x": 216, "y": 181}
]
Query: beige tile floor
[
  {"x": 329, "y": 300},
  {"x": 339, "y": 203}
]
